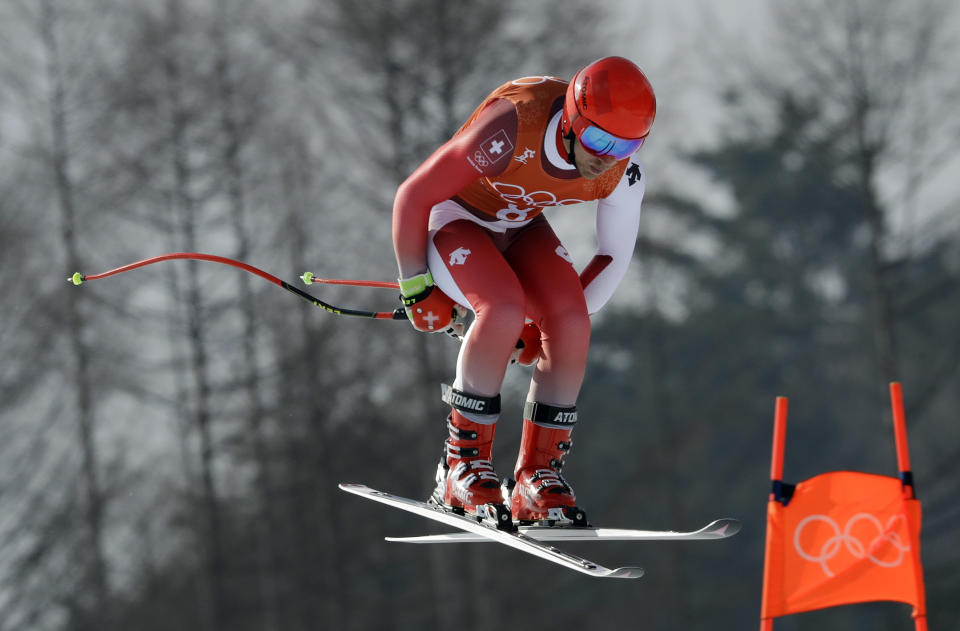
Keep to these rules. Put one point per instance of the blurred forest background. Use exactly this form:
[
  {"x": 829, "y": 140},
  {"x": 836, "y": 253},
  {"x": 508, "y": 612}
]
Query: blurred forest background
[{"x": 171, "y": 439}]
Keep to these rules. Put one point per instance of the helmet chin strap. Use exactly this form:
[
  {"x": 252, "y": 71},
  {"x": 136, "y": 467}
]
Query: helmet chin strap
[{"x": 572, "y": 159}]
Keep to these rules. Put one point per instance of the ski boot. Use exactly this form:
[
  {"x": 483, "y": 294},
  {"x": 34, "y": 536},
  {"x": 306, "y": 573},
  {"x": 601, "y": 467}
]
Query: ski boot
[
  {"x": 466, "y": 482},
  {"x": 540, "y": 494}
]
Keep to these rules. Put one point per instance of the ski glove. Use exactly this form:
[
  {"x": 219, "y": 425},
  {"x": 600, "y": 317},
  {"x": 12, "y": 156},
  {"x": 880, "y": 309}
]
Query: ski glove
[{"x": 428, "y": 308}]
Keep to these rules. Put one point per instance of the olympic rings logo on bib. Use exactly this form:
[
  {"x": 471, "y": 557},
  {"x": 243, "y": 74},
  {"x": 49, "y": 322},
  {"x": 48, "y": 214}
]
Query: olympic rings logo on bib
[
  {"x": 522, "y": 206},
  {"x": 512, "y": 213},
  {"x": 855, "y": 546}
]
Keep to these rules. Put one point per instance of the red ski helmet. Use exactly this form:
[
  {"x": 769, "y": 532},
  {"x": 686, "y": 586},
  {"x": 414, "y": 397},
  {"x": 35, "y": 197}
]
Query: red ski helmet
[{"x": 610, "y": 107}]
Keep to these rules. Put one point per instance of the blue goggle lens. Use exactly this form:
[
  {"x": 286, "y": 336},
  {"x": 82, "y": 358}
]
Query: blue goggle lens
[{"x": 601, "y": 143}]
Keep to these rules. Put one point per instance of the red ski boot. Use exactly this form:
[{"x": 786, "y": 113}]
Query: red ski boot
[
  {"x": 540, "y": 492},
  {"x": 465, "y": 477}
]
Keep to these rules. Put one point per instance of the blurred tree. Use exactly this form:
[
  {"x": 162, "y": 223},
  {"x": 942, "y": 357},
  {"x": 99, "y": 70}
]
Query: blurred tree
[
  {"x": 179, "y": 167},
  {"x": 881, "y": 73},
  {"x": 61, "y": 156},
  {"x": 239, "y": 110},
  {"x": 62, "y": 501}
]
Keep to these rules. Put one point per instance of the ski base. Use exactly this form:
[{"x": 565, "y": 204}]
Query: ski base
[
  {"x": 719, "y": 529},
  {"x": 515, "y": 539}
]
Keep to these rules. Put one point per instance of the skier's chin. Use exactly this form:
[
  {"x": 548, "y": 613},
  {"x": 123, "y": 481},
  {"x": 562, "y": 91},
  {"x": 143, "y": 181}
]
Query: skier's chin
[{"x": 591, "y": 171}]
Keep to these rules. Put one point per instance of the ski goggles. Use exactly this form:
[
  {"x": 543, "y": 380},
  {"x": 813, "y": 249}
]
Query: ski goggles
[{"x": 602, "y": 144}]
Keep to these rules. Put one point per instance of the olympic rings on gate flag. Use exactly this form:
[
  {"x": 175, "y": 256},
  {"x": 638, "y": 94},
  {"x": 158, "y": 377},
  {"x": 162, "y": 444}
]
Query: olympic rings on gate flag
[
  {"x": 886, "y": 538},
  {"x": 842, "y": 537}
]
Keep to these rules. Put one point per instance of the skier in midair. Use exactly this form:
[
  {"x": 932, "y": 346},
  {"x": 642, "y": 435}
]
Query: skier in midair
[{"x": 468, "y": 230}]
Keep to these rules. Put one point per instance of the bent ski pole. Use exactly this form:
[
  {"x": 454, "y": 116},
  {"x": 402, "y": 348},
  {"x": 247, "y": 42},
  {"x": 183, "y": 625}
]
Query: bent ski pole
[{"x": 308, "y": 278}]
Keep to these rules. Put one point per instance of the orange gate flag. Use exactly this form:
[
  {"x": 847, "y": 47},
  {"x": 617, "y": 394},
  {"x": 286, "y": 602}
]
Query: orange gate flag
[
  {"x": 842, "y": 537},
  {"x": 845, "y": 537}
]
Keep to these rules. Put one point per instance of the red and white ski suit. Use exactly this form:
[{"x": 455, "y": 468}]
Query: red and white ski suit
[{"x": 471, "y": 213}]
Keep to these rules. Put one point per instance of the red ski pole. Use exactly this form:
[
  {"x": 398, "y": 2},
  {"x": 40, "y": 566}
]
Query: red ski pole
[{"x": 308, "y": 278}]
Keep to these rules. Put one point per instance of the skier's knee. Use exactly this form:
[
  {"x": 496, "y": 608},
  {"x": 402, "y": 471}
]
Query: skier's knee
[
  {"x": 571, "y": 324},
  {"x": 507, "y": 317}
]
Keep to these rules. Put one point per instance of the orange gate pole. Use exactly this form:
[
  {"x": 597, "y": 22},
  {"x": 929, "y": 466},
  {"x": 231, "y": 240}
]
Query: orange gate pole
[
  {"x": 776, "y": 471},
  {"x": 906, "y": 477}
]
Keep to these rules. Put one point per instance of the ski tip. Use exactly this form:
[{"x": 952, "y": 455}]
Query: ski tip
[
  {"x": 359, "y": 489},
  {"x": 626, "y": 572},
  {"x": 723, "y": 528}
]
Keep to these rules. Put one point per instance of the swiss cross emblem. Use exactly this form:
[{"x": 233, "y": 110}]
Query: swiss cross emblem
[
  {"x": 497, "y": 146},
  {"x": 431, "y": 319}
]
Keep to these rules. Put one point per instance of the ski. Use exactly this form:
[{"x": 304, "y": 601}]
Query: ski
[
  {"x": 514, "y": 539},
  {"x": 719, "y": 529}
]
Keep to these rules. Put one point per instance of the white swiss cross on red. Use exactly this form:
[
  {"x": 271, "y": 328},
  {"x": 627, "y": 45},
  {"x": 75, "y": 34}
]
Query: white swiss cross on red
[{"x": 497, "y": 146}]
